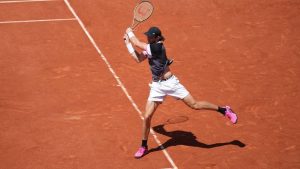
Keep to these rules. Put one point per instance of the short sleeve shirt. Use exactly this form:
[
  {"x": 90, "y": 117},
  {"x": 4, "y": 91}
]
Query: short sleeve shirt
[{"x": 157, "y": 59}]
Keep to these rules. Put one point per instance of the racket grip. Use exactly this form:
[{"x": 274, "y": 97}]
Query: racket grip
[{"x": 130, "y": 34}]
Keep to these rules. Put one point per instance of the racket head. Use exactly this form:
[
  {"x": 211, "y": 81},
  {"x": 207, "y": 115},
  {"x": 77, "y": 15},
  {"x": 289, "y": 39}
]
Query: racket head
[{"x": 142, "y": 12}]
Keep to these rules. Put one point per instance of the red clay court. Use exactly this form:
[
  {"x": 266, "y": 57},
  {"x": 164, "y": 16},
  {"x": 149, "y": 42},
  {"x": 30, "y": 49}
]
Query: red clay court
[{"x": 71, "y": 96}]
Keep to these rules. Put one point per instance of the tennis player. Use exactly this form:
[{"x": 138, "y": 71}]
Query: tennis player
[{"x": 164, "y": 82}]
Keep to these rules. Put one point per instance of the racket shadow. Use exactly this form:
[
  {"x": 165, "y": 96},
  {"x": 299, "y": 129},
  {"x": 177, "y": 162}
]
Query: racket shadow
[{"x": 186, "y": 138}]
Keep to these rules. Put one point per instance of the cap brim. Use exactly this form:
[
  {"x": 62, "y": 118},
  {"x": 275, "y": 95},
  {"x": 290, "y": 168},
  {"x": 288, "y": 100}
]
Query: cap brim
[{"x": 148, "y": 34}]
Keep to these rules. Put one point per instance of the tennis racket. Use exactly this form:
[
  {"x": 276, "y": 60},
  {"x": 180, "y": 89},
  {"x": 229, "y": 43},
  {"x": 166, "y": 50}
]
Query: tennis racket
[{"x": 141, "y": 12}]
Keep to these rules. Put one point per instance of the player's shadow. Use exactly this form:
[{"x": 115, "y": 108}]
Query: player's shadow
[{"x": 188, "y": 139}]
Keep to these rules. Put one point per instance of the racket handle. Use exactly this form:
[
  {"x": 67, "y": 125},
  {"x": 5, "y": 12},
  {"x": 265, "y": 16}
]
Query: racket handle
[{"x": 134, "y": 25}]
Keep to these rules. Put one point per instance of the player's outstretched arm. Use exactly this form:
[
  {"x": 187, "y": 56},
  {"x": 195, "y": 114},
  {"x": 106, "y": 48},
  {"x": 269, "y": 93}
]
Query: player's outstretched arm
[
  {"x": 136, "y": 42},
  {"x": 138, "y": 57}
]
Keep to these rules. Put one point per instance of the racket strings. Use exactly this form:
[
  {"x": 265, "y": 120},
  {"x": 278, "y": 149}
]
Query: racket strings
[{"x": 142, "y": 12}]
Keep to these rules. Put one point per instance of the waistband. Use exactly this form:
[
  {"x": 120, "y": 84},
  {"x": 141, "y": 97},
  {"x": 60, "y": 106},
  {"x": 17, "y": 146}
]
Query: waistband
[{"x": 161, "y": 80}]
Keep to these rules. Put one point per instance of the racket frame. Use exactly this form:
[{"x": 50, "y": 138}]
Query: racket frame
[{"x": 136, "y": 21}]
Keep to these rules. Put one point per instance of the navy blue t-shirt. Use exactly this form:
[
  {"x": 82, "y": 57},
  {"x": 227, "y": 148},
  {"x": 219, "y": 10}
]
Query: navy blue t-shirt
[{"x": 157, "y": 59}]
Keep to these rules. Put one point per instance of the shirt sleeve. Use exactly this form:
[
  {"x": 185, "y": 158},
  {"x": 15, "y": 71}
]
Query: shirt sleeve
[{"x": 147, "y": 52}]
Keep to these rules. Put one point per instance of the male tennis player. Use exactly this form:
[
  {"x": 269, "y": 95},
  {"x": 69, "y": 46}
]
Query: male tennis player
[{"x": 164, "y": 82}]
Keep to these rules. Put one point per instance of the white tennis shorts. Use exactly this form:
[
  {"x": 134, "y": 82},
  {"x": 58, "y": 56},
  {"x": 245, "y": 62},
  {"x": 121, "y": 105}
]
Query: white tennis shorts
[{"x": 171, "y": 87}]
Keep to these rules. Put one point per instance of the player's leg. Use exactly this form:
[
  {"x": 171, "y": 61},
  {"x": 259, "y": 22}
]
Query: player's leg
[
  {"x": 151, "y": 106},
  {"x": 156, "y": 96},
  {"x": 198, "y": 105}
]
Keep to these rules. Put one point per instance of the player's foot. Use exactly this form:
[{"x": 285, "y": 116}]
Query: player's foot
[
  {"x": 141, "y": 152},
  {"x": 231, "y": 115}
]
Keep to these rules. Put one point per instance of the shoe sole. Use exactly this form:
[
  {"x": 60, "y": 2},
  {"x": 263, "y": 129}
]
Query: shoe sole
[
  {"x": 141, "y": 156},
  {"x": 235, "y": 121},
  {"x": 233, "y": 113}
]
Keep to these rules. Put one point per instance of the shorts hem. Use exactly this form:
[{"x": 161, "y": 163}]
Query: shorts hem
[
  {"x": 181, "y": 98},
  {"x": 155, "y": 100}
]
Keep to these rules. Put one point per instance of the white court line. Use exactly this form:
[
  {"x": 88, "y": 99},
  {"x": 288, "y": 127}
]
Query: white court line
[
  {"x": 24, "y": 1},
  {"x": 38, "y": 20},
  {"x": 119, "y": 81}
]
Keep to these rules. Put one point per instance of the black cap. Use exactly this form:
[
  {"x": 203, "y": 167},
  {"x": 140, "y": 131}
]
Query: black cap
[{"x": 153, "y": 31}]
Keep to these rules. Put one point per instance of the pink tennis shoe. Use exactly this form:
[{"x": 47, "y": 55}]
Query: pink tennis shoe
[
  {"x": 141, "y": 152},
  {"x": 231, "y": 115}
]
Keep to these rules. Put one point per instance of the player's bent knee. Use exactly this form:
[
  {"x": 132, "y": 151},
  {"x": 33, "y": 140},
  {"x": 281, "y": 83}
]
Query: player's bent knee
[
  {"x": 194, "y": 105},
  {"x": 147, "y": 116}
]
